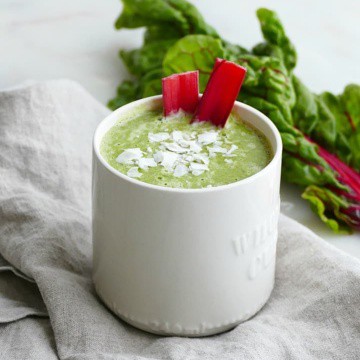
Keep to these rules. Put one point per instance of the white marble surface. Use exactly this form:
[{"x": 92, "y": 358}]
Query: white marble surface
[{"x": 47, "y": 39}]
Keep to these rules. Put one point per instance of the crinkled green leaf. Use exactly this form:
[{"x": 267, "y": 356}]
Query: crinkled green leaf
[
  {"x": 161, "y": 33},
  {"x": 345, "y": 109},
  {"x": 328, "y": 206},
  {"x": 197, "y": 24},
  {"x": 126, "y": 92},
  {"x": 139, "y": 13},
  {"x": 332, "y": 120},
  {"x": 269, "y": 80},
  {"x": 178, "y": 14},
  {"x": 193, "y": 52},
  {"x": 233, "y": 52},
  {"x": 298, "y": 170},
  {"x": 147, "y": 58},
  {"x": 277, "y": 43},
  {"x": 150, "y": 84}
]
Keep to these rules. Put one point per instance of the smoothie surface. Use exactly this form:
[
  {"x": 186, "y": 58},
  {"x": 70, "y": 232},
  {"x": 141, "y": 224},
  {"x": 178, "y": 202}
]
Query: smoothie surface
[{"x": 172, "y": 152}]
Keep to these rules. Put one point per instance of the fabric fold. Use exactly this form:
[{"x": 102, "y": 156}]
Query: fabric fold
[{"x": 19, "y": 298}]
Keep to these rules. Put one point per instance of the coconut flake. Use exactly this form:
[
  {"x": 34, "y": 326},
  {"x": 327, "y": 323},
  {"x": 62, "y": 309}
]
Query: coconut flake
[
  {"x": 158, "y": 156},
  {"x": 158, "y": 137},
  {"x": 196, "y": 166},
  {"x": 195, "y": 147},
  {"x": 197, "y": 172},
  {"x": 217, "y": 149},
  {"x": 134, "y": 172},
  {"x": 169, "y": 159},
  {"x": 129, "y": 155},
  {"x": 207, "y": 137},
  {"x": 145, "y": 163},
  {"x": 180, "y": 170},
  {"x": 201, "y": 158},
  {"x": 177, "y": 136},
  {"x": 229, "y": 155},
  {"x": 232, "y": 149},
  {"x": 174, "y": 147},
  {"x": 149, "y": 149},
  {"x": 228, "y": 161}
]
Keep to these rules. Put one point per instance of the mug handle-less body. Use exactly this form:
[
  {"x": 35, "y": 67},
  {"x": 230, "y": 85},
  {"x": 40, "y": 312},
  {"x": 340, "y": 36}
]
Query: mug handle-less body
[{"x": 189, "y": 262}]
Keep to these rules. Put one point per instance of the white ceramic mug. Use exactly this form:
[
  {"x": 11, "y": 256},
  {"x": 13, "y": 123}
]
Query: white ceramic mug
[{"x": 189, "y": 262}]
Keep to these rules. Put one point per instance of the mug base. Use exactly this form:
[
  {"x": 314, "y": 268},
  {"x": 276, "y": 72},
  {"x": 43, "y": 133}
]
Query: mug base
[{"x": 199, "y": 332}]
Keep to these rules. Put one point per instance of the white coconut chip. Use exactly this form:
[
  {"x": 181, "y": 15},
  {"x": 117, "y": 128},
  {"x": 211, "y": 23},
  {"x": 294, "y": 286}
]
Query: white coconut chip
[
  {"x": 195, "y": 146},
  {"x": 197, "y": 172},
  {"x": 174, "y": 147},
  {"x": 134, "y": 172},
  {"x": 189, "y": 158},
  {"x": 198, "y": 167},
  {"x": 232, "y": 149},
  {"x": 145, "y": 163},
  {"x": 180, "y": 170},
  {"x": 158, "y": 157},
  {"x": 177, "y": 136},
  {"x": 201, "y": 158},
  {"x": 217, "y": 149},
  {"x": 158, "y": 137},
  {"x": 169, "y": 160},
  {"x": 207, "y": 137},
  {"x": 129, "y": 155}
]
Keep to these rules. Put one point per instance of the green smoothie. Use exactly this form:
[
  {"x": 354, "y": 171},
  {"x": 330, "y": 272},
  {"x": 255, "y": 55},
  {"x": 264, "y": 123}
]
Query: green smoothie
[{"x": 172, "y": 152}]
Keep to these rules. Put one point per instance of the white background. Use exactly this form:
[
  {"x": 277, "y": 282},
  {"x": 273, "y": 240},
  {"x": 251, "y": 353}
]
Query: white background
[{"x": 47, "y": 39}]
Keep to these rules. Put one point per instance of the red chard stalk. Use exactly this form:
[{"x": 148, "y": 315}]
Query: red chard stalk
[
  {"x": 180, "y": 92},
  {"x": 220, "y": 93}
]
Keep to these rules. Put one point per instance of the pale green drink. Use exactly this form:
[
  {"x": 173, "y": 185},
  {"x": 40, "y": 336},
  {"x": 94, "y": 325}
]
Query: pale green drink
[{"x": 172, "y": 152}]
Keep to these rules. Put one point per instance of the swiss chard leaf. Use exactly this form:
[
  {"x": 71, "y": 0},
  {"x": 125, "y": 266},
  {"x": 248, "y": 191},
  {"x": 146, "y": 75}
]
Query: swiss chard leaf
[
  {"x": 197, "y": 24},
  {"x": 126, "y": 92},
  {"x": 328, "y": 206},
  {"x": 233, "y": 52},
  {"x": 193, "y": 52},
  {"x": 147, "y": 58},
  {"x": 140, "y": 13},
  {"x": 178, "y": 14},
  {"x": 332, "y": 120},
  {"x": 161, "y": 33},
  {"x": 277, "y": 43}
]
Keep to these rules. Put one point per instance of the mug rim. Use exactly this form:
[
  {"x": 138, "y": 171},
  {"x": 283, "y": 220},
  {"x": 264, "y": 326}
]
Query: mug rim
[{"x": 128, "y": 107}]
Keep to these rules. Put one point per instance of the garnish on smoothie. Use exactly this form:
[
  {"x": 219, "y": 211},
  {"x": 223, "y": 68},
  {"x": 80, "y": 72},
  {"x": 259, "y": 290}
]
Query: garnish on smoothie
[
  {"x": 220, "y": 93},
  {"x": 174, "y": 153},
  {"x": 190, "y": 144},
  {"x": 180, "y": 91}
]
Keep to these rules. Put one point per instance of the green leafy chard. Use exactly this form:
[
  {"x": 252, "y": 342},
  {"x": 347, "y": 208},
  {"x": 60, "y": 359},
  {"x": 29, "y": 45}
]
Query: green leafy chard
[
  {"x": 166, "y": 21},
  {"x": 193, "y": 52},
  {"x": 320, "y": 133},
  {"x": 277, "y": 43}
]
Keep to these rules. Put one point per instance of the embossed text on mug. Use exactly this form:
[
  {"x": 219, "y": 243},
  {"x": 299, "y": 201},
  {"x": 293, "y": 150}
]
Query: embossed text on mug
[{"x": 261, "y": 242}]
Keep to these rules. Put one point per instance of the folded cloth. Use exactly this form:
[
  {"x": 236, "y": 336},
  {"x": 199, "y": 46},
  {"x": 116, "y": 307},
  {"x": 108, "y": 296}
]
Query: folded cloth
[{"x": 45, "y": 171}]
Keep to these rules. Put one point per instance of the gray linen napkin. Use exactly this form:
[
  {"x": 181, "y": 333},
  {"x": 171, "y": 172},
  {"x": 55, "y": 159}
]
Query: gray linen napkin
[{"x": 45, "y": 172}]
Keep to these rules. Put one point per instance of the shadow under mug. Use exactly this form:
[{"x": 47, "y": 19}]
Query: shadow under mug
[{"x": 185, "y": 262}]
